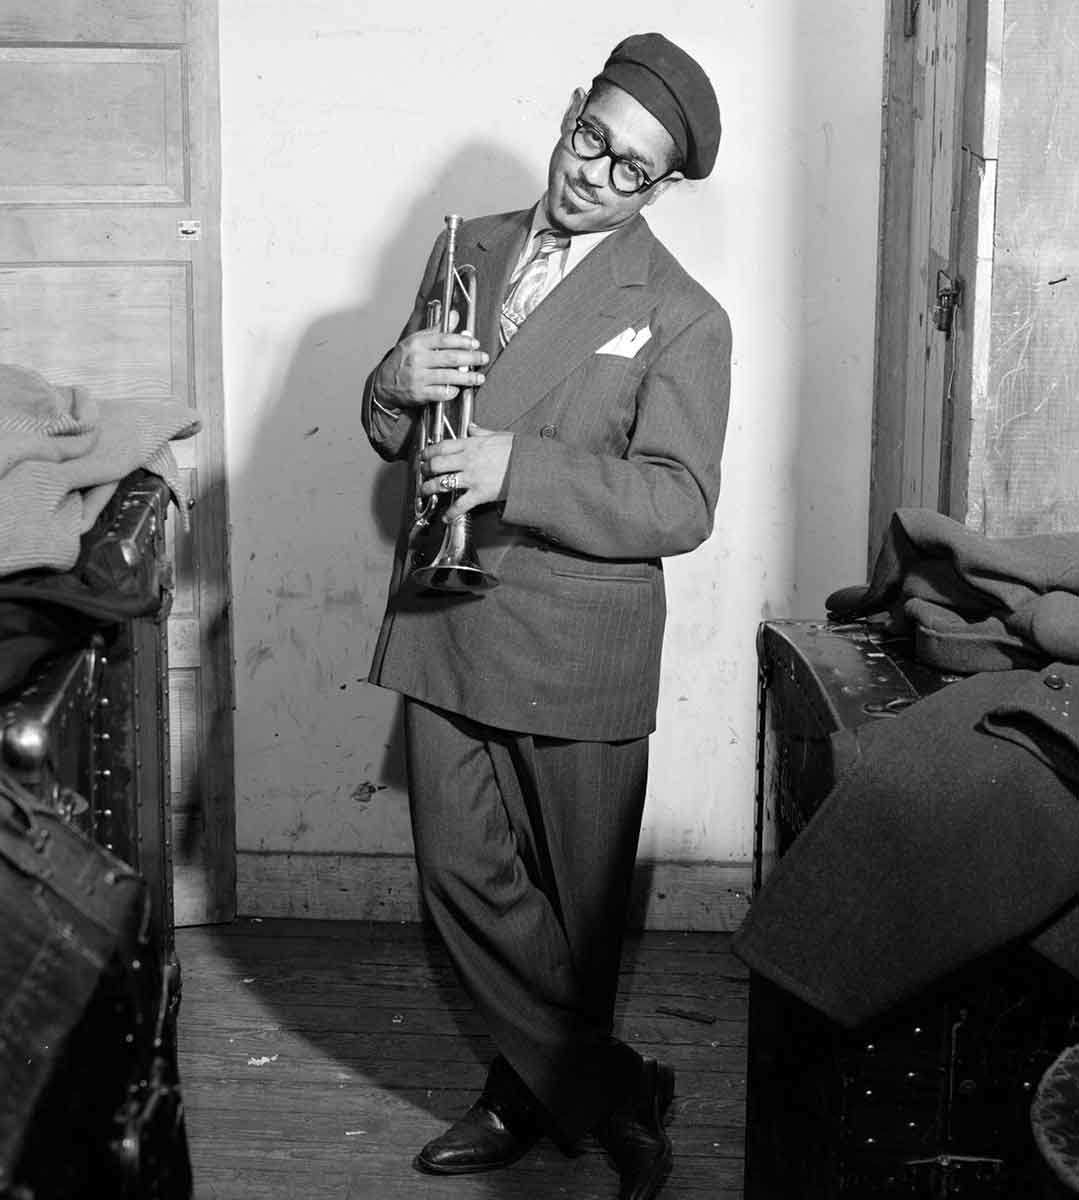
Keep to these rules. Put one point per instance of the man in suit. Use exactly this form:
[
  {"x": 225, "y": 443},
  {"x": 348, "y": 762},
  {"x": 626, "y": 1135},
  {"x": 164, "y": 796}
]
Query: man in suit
[{"x": 596, "y": 452}]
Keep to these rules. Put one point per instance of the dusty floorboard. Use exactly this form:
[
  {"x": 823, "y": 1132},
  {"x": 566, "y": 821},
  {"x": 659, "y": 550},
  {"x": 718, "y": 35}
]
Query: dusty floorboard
[{"x": 316, "y": 1057}]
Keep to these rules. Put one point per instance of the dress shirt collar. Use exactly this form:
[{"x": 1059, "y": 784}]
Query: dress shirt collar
[{"x": 579, "y": 244}]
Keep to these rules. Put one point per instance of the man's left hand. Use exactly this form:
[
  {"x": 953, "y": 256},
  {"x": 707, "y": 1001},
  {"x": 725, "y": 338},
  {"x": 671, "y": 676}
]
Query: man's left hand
[{"x": 479, "y": 462}]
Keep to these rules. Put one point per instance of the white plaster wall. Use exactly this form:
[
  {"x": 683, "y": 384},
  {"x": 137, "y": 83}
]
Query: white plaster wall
[{"x": 349, "y": 129}]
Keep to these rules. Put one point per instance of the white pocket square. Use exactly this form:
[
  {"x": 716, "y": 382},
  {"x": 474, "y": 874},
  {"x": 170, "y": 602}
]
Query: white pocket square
[{"x": 627, "y": 343}]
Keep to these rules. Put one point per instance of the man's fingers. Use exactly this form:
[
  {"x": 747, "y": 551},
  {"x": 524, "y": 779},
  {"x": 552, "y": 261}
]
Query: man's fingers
[
  {"x": 455, "y": 377},
  {"x": 439, "y": 460},
  {"x": 457, "y": 358},
  {"x": 433, "y": 392},
  {"x": 459, "y": 507},
  {"x": 433, "y": 485},
  {"x": 437, "y": 340}
]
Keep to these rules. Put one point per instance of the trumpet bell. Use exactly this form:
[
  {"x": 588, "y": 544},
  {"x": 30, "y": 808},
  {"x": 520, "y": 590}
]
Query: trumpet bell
[
  {"x": 455, "y": 577},
  {"x": 455, "y": 567}
]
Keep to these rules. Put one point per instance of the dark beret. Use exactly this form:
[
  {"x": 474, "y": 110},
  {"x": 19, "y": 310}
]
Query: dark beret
[{"x": 675, "y": 90}]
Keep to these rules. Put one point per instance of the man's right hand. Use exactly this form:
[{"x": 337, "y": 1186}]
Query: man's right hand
[{"x": 429, "y": 365}]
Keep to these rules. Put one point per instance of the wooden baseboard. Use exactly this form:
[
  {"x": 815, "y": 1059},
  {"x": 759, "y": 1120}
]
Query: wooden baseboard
[{"x": 697, "y": 896}]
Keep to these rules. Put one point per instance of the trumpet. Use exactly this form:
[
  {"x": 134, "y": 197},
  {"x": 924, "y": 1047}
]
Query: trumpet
[{"x": 454, "y": 567}]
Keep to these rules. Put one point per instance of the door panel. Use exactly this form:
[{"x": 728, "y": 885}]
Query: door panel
[
  {"x": 88, "y": 125},
  {"x": 119, "y": 330}
]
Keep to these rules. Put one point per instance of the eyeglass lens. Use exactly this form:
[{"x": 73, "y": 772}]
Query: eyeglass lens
[{"x": 589, "y": 143}]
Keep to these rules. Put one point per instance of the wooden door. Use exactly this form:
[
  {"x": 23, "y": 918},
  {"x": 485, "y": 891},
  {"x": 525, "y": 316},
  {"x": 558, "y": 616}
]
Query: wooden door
[
  {"x": 915, "y": 376},
  {"x": 110, "y": 278}
]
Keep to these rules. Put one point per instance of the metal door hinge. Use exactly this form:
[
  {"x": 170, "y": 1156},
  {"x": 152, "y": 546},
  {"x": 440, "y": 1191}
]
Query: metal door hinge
[{"x": 949, "y": 297}]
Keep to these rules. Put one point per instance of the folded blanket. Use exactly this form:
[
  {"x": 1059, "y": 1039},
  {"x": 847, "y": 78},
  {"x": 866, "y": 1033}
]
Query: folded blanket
[
  {"x": 973, "y": 603},
  {"x": 954, "y": 834},
  {"x": 61, "y": 458}
]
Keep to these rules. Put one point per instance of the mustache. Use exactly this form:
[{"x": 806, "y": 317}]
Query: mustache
[{"x": 580, "y": 184}]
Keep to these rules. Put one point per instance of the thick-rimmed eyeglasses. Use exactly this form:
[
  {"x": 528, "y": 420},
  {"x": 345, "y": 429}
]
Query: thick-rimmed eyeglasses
[{"x": 626, "y": 177}]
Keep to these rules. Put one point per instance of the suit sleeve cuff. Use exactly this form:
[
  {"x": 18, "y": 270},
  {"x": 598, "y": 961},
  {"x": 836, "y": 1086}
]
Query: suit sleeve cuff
[
  {"x": 388, "y": 410},
  {"x": 388, "y": 433},
  {"x": 523, "y": 484}
]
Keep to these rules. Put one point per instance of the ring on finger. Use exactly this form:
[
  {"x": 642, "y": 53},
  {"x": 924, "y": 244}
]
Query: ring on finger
[{"x": 448, "y": 482}]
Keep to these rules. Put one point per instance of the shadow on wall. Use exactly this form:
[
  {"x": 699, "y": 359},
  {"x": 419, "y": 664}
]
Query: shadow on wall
[
  {"x": 312, "y": 433},
  {"x": 311, "y": 468}
]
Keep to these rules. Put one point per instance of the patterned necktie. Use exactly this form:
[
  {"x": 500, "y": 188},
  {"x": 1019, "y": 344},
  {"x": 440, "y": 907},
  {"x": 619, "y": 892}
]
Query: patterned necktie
[{"x": 530, "y": 286}]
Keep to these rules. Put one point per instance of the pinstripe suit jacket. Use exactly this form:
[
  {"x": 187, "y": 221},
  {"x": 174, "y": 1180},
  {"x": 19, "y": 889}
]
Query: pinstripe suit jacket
[{"x": 615, "y": 464}]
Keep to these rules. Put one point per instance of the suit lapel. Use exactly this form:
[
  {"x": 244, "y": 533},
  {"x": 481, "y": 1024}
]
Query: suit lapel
[{"x": 599, "y": 298}]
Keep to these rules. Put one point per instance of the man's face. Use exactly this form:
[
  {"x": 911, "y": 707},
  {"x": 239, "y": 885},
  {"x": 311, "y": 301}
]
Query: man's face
[{"x": 580, "y": 198}]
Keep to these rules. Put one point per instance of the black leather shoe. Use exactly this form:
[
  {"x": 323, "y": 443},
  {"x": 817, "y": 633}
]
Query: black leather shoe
[
  {"x": 486, "y": 1138},
  {"x": 634, "y": 1137}
]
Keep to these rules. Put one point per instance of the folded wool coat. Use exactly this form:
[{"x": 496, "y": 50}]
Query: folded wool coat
[
  {"x": 973, "y": 603},
  {"x": 61, "y": 458},
  {"x": 954, "y": 833}
]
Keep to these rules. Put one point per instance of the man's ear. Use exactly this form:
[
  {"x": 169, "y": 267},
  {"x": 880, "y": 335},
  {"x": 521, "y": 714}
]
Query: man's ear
[
  {"x": 658, "y": 189},
  {"x": 573, "y": 111}
]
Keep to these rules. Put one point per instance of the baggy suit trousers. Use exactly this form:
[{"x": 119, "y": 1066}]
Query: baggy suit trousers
[{"x": 525, "y": 848}]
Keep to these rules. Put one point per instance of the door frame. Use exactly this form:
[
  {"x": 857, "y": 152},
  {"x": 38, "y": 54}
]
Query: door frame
[{"x": 921, "y": 373}]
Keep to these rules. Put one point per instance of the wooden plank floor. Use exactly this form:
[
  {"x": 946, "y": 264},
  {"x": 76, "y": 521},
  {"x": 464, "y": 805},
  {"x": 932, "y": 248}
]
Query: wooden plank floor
[{"x": 316, "y": 1057}]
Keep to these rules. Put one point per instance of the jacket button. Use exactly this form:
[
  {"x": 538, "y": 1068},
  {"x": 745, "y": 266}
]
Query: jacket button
[
  {"x": 1054, "y": 681},
  {"x": 548, "y": 431}
]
